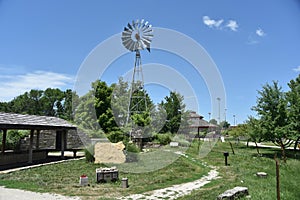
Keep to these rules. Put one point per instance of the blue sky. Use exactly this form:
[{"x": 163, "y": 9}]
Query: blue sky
[{"x": 43, "y": 43}]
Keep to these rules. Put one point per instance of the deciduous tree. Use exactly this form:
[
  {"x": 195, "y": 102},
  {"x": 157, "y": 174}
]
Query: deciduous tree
[{"x": 272, "y": 109}]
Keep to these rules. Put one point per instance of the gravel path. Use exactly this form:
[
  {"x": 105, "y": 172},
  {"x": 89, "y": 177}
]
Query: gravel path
[
  {"x": 16, "y": 194},
  {"x": 175, "y": 191}
]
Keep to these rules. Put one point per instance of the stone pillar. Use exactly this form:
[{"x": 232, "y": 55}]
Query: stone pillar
[
  {"x": 3, "y": 141},
  {"x": 30, "y": 146}
]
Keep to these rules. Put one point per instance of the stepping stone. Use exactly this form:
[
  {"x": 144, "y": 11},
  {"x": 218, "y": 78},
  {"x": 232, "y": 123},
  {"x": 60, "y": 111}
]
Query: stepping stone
[
  {"x": 234, "y": 193},
  {"x": 262, "y": 174}
]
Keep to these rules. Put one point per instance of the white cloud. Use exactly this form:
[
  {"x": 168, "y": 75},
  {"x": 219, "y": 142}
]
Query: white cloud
[
  {"x": 260, "y": 32},
  {"x": 232, "y": 25},
  {"x": 218, "y": 24},
  {"x": 297, "y": 69},
  {"x": 14, "y": 85},
  {"x": 252, "y": 40},
  {"x": 211, "y": 22}
]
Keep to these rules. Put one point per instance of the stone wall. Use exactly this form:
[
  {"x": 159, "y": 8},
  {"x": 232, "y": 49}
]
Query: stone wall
[{"x": 47, "y": 140}]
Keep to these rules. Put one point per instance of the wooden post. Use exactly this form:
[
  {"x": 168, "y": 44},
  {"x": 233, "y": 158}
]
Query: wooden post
[
  {"x": 62, "y": 144},
  {"x": 30, "y": 146},
  {"x": 277, "y": 178},
  {"x": 226, "y": 154},
  {"x": 231, "y": 147},
  {"x": 3, "y": 141},
  {"x": 37, "y": 145}
]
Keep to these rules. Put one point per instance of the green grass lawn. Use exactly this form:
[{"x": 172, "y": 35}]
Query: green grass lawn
[
  {"x": 243, "y": 167},
  {"x": 63, "y": 178}
]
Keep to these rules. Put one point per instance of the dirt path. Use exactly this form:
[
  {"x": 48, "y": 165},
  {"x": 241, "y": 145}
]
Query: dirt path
[
  {"x": 16, "y": 194},
  {"x": 267, "y": 146},
  {"x": 176, "y": 191}
]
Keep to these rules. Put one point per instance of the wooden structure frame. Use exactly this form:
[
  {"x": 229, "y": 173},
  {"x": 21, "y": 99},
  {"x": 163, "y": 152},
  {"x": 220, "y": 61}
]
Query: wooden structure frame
[
  {"x": 34, "y": 123},
  {"x": 197, "y": 122}
]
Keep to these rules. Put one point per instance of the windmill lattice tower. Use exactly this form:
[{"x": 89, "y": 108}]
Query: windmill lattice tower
[{"x": 135, "y": 37}]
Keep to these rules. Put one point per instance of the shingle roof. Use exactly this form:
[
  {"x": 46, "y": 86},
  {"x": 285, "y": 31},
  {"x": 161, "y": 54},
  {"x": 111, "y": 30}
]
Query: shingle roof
[
  {"x": 198, "y": 121},
  {"x": 194, "y": 115},
  {"x": 19, "y": 121}
]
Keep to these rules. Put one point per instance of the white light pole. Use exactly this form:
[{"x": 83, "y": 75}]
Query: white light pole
[
  {"x": 219, "y": 100},
  {"x": 233, "y": 120}
]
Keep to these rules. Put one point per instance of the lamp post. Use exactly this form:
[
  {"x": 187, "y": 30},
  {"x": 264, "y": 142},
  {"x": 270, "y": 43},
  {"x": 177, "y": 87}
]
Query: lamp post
[
  {"x": 209, "y": 116},
  {"x": 219, "y": 100},
  {"x": 225, "y": 113},
  {"x": 233, "y": 120}
]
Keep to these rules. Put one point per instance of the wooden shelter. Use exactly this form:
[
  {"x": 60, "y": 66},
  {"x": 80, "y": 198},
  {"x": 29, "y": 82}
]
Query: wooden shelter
[
  {"x": 34, "y": 123},
  {"x": 197, "y": 123}
]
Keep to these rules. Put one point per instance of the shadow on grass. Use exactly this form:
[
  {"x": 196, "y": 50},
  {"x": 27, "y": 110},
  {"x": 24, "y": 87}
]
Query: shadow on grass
[
  {"x": 271, "y": 152},
  {"x": 36, "y": 162}
]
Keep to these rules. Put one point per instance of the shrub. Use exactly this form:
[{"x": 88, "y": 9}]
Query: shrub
[
  {"x": 132, "y": 152},
  {"x": 13, "y": 139},
  {"x": 116, "y": 136},
  {"x": 181, "y": 140},
  {"x": 130, "y": 147},
  {"x": 89, "y": 153},
  {"x": 162, "y": 138}
]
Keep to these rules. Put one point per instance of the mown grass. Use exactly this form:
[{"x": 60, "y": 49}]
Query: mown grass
[
  {"x": 243, "y": 167},
  {"x": 63, "y": 178}
]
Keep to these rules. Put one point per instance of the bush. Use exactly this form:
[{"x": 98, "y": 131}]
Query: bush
[
  {"x": 116, "y": 136},
  {"x": 13, "y": 139},
  {"x": 181, "y": 140},
  {"x": 163, "y": 138},
  {"x": 89, "y": 153},
  {"x": 130, "y": 147},
  {"x": 91, "y": 132}
]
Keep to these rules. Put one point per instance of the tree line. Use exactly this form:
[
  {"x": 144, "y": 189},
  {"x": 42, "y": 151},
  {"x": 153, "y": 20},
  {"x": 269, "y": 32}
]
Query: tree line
[
  {"x": 49, "y": 102},
  {"x": 107, "y": 106},
  {"x": 104, "y": 106}
]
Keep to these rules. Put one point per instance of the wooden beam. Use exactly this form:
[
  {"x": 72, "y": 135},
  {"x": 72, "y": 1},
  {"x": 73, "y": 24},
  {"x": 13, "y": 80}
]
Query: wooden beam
[
  {"x": 63, "y": 143},
  {"x": 37, "y": 145},
  {"x": 30, "y": 146},
  {"x": 3, "y": 141}
]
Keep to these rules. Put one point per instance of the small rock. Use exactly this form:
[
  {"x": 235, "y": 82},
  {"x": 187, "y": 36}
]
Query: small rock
[
  {"x": 174, "y": 144},
  {"x": 262, "y": 174}
]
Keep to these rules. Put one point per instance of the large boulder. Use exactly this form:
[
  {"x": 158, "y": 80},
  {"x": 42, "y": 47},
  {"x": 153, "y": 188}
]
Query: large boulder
[
  {"x": 109, "y": 152},
  {"x": 234, "y": 193}
]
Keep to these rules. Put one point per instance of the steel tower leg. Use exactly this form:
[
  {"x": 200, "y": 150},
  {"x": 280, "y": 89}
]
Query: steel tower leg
[{"x": 137, "y": 96}]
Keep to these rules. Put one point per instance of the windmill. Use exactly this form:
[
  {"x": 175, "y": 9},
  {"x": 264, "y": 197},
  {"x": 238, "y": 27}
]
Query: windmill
[{"x": 137, "y": 36}]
